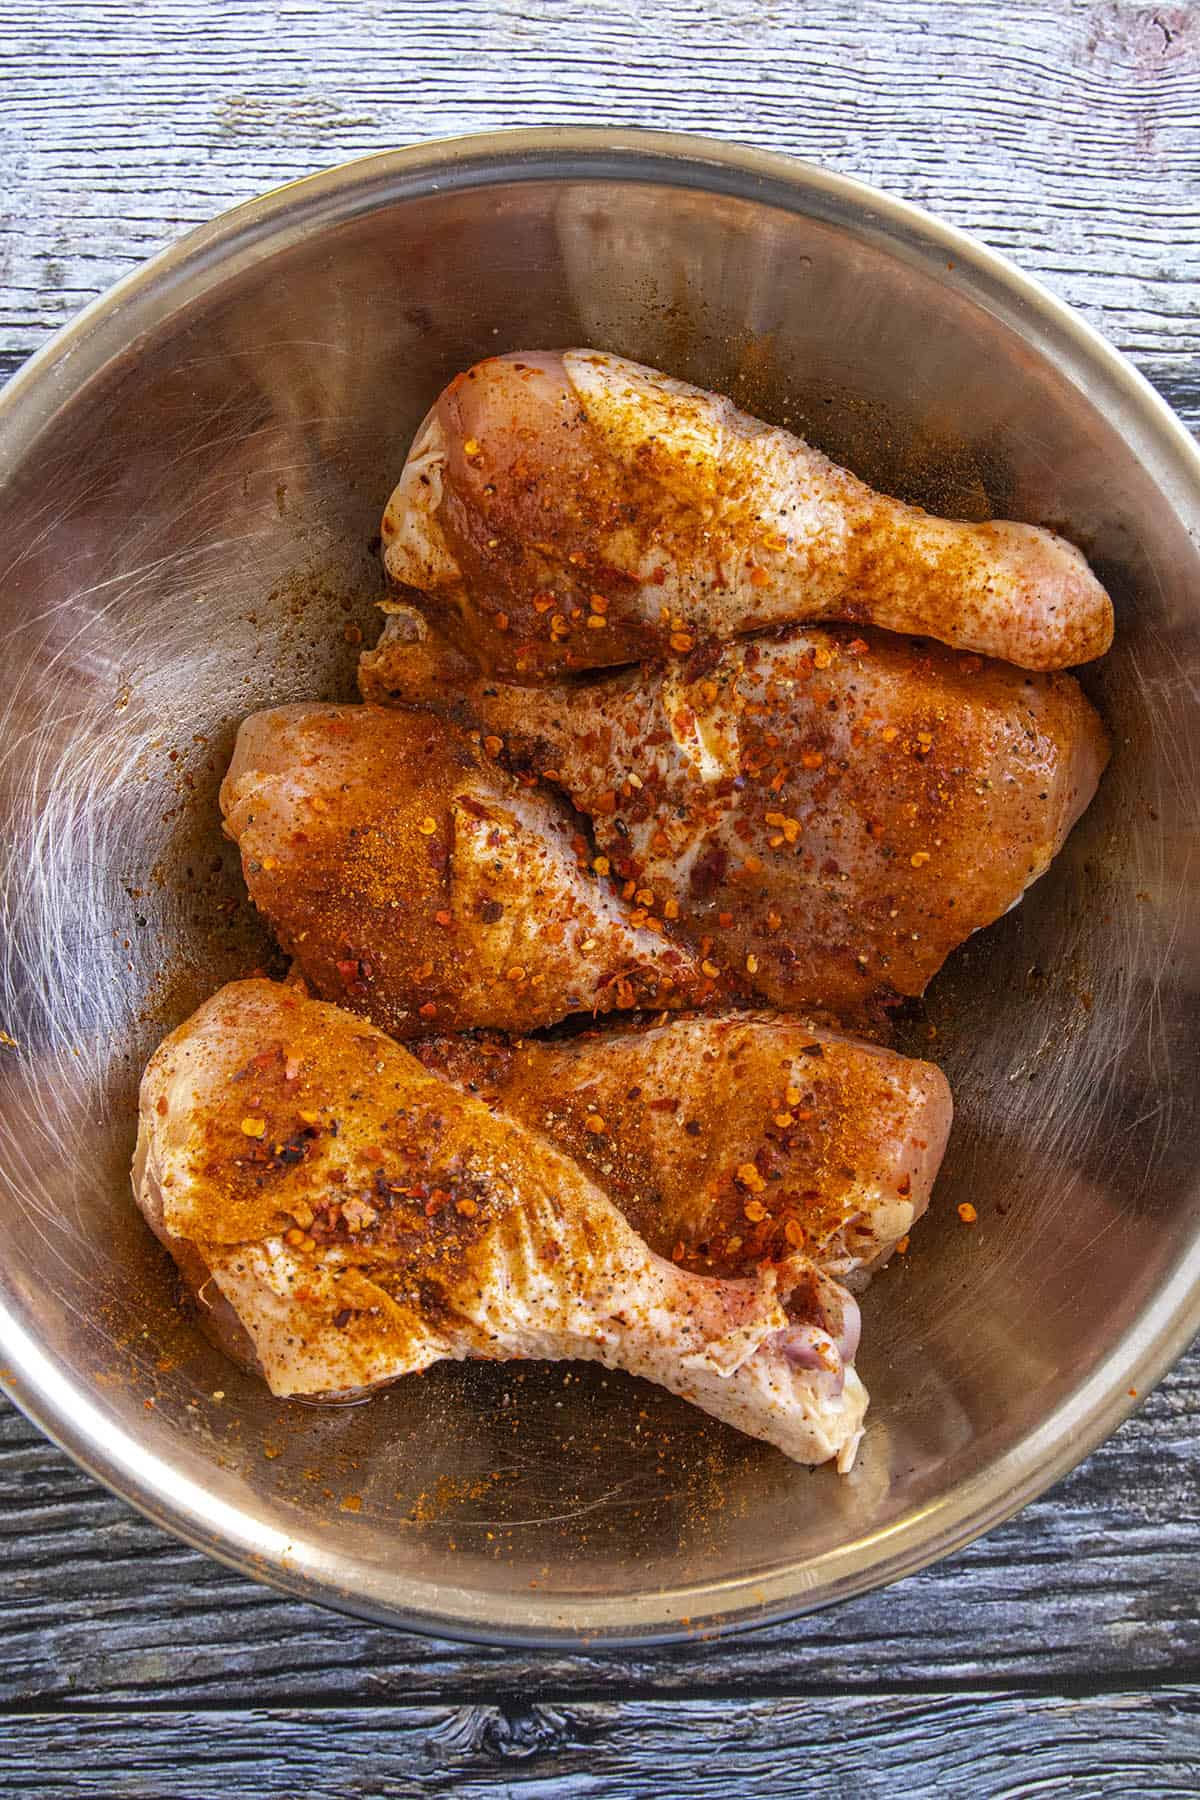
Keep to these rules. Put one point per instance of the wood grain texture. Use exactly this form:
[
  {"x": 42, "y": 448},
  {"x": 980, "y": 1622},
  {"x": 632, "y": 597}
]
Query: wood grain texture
[
  {"x": 1066, "y": 134},
  {"x": 1097, "y": 1579},
  {"x": 1059, "y": 1654},
  {"x": 825, "y": 1748}
]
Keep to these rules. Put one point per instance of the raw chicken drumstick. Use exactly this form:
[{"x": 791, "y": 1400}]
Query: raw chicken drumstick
[
  {"x": 828, "y": 813},
  {"x": 414, "y": 882},
  {"x": 568, "y": 510},
  {"x": 360, "y": 1219},
  {"x": 728, "y": 1141}
]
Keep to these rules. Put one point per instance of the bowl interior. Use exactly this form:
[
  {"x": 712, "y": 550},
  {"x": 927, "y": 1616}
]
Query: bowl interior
[{"x": 192, "y": 490}]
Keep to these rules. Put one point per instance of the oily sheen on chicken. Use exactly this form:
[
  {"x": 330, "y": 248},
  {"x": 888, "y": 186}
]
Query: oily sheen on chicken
[
  {"x": 360, "y": 1219},
  {"x": 568, "y": 510},
  {"x": 730, "y": 1140},
  {"x": 417, "y": 883},
  {"x": 826, "y": 812}
]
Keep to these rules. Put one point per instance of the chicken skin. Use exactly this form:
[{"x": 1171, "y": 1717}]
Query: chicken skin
[
  {"x": 568, "y": 510},
  {"x": 415, "y": 882},
  {"x": 728, "y": 1141},
  {"x": 828, "y": 813},
  {"x": 360, "y": 1219}
]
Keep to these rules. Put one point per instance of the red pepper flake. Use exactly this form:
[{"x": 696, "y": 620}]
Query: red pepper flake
[
  {"x": 427, "y": 826},
  {"x": 502, "y": 621},
  {"x": 682, "y": 641},
  {"x": 595, "y": 1124},
  {"x": 428, "y": 1010},
  {"x": 902, "y": 1245},
  {"x": 755, "y": 1211},
  {"x": 748, "y": 1177},
  {"x": 467, "y": 1208},
  {"x": 967, "y": 1213},
  {"x": 254, "y": 1128},
  {"x": 442, "y": 918}
]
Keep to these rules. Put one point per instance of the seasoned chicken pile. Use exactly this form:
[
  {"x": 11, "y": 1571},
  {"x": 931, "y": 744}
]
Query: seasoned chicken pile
[
  {"x": 670, "y": 719},
  {"x": 363, "y": 1219}
]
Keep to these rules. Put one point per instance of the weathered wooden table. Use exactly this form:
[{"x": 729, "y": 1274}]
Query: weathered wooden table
[{"x": 1063, "y": 1652}]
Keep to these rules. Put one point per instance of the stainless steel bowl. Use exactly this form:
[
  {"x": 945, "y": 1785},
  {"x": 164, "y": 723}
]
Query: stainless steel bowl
[{"x": 192, "y": 475}]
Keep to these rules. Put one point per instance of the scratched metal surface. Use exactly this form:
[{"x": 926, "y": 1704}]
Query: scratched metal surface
[{"x": 112, "y": 672}]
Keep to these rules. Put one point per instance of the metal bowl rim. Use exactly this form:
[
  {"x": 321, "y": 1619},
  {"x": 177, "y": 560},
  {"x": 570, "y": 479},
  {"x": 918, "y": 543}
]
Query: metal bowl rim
[{"x": 135, "y": 304}]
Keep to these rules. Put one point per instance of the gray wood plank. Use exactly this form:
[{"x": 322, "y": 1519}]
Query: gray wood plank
[
  {"x": 1122, "y": 1744},
  {"x": 1062, "y": 131},
  {"x": 1096, "y": 1579}
]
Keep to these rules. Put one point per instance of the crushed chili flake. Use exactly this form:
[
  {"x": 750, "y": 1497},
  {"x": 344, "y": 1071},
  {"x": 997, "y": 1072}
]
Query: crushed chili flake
[
  {"x": 902, "y": 1246},
  {"x": 427, "y": 826},
  {"x": 793, "y": 1231},
  {"x": 967, "y": 1213},
  {"x": 710, "y": 969},
  {"x": 755, "y": 1211},
  {"x": 671, "y": 909},
  {"x": 442, "y": 918},
  {"x": 682, "y": 641},
  {"x": 467, "y": 1208},
  {"x": 919, "y": 858},
  {"x": 428, "y": 1010},
  {"x": 597, "y": 621},
  {"x": 595, "y": 1124},
  {"x": 752, "y": 965},
  {"x": 602, "y": 865},
  {"x": 749, "y": 1177},
  {"x": 254, "y": 1128}
]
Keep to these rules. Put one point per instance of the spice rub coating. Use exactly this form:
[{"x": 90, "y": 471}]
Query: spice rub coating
[
  {"x": 417, "y": 883},
  {"x": 730, "y": 1140},
  {"x": 361, "y": 1218},
  {"x": 568, "y": 510},
  {"x": 826, "y": 812}
]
